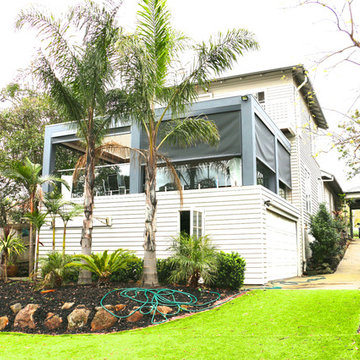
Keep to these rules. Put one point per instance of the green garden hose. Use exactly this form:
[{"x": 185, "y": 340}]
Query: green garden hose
[{"x": 149, "y": 301}]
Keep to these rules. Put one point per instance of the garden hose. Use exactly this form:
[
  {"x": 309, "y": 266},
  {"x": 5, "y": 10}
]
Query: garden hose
[{"x": 149, "y": 301}]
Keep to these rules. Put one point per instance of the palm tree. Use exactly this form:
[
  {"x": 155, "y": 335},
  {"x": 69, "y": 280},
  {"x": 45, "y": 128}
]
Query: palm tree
[
  {"x": 10, "y": 244},
  {"x": 149, "y": 60},
  {"x": 66, "y": 215},
  {"x": 53, "y": 202},
  {"x": 37, "y": 220},
  {"x": 79, "y": 78},
  {"x": 29, "y": 176}
]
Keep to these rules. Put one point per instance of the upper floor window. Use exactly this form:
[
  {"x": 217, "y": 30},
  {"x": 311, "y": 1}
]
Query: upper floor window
[
  {"x": 260, "y": 97},
  {"x": 307, "y": 190}
]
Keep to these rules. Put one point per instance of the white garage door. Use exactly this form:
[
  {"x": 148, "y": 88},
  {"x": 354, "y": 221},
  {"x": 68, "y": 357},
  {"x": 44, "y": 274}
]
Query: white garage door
[{"x": 281, "y": 247}]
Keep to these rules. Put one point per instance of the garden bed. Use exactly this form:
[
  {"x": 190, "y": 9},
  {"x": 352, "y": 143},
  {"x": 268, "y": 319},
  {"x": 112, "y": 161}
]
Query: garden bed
[{"x": 50, "y": 316}]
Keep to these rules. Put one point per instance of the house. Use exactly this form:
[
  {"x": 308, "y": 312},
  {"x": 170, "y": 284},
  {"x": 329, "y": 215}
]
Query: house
[
  {"x": 252, "y": 194},
  {"x": 332, "y": 193}
]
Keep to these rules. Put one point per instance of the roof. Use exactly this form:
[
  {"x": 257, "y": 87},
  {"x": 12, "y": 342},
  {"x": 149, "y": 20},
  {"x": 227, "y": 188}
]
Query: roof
[
  {"x": 332, "y": 182},
  {"x": 302, "y": 81}
]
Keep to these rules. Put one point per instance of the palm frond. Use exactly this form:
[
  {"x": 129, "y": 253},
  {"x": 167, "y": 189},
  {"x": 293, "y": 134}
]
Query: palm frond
[{"x": 189, "y": 132}]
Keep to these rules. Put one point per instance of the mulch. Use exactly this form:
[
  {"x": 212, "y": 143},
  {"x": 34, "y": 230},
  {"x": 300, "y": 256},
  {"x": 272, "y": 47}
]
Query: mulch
[{"x": 88, "y": 295}]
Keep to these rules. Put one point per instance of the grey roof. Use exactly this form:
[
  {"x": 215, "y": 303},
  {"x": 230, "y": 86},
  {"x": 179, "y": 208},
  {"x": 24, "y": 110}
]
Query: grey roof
[{"x": 307, "y": 91}]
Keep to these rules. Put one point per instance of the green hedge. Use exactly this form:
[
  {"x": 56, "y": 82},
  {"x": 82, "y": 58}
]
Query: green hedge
[{"x": 230, "y": 271}]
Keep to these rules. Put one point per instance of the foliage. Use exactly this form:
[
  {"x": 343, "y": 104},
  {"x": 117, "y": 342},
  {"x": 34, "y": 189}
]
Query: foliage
[
  {"x": 193, "y": 258},
  {"x": 79, "y": 74},
  {"x": 153, "y": 76},
  {"x": 131, "y": 272},
  {"x": 164, "y": 268},
  {"x": 102, "y": 264},
  {"x": 230, "y": 271},
  {"x": 10, "y": 245},
  {"x": 54, "y": 272},
  {"x": 325, "y": 247}
]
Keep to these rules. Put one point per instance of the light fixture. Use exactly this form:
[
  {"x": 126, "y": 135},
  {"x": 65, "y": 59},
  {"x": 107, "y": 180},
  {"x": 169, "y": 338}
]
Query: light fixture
[{"x": 244, "y": 98}]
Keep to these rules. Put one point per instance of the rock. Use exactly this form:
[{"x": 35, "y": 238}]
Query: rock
[
  {"x": 119, "y": 307},
  {"x": 163, "y": 309},
  {"x": 78, "y": 318},
  {"x": 109, "y": 307},
  {"x": 136, "y": 316},
  {"x": 67, "y": 305},
  {"x": 25, "y": 317},
  {"x": 4, "y": 320},
  {"x": 102, "y": 320},
  {"x": 15, "y": 308},
  {"x": 52, "y": 321}
]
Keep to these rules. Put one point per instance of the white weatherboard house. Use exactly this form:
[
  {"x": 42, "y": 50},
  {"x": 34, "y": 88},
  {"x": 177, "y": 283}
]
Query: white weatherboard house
[{"x": 252, "y": 194}]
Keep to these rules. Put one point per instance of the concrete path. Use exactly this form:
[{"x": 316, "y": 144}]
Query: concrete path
[{"x": 347, "y": 275}]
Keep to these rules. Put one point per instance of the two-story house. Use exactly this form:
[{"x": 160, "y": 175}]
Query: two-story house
[{"x": 252, "y": 194}]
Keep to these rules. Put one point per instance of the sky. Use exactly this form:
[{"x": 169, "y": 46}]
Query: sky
[{"x": 287, "y": 32}]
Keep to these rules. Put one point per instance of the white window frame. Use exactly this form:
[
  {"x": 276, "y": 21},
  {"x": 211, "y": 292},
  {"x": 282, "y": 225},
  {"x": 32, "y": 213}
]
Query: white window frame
[
  {"x": 192, "y": 227},
  {"x": 307, "y": 190}
]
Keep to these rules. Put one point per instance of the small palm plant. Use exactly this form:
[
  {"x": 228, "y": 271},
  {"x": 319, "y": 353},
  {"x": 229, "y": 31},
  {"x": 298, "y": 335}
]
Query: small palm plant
[
  {"x": 193, "y": 258},
  {"x": 66, "y": 215},
  {"x": 10, "y": 244},
  {"x": 37, "y": 220},
  {"x": 102, "y": 264}
]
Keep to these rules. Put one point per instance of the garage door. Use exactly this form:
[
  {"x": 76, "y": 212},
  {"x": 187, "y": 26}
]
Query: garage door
[{"x": 281, "y": 247}]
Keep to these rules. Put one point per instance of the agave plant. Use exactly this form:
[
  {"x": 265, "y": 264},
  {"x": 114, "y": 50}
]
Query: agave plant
[
  {"x": 193, "y": 258},
  {"x": 102, "y": 264},
  {"x": 10, "y": 244}
]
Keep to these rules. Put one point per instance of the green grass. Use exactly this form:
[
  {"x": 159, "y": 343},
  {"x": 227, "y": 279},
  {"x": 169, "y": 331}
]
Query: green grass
[{"x": 273, "y": 324}]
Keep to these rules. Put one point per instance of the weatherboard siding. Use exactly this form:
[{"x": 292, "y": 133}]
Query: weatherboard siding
[{"x": 234, "y": 218}]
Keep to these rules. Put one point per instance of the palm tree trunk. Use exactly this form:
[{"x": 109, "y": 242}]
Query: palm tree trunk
[
  {"x": 53, "y": 233},
  {"x": 86, "y": 236},
  {"x": 64, "y": 239},
  {"x": 5, "y": 266},
  {"x": 150, "y": 277},
  {"x": 37, "y": 254},
  {"x": 31, "y": 240}
]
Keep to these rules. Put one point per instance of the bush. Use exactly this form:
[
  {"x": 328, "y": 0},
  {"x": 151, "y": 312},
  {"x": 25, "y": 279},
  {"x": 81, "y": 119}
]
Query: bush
[
  {"x": 193, "y": 258},
  {"x": 230, "y": 271},
  {"x": 54, "y": 271},
  {"x": 164, "y": 268},
  {"x": 103, "y": 264},
  {"x": 326, "y": 245},
  {"x": 131, "y": 272}
]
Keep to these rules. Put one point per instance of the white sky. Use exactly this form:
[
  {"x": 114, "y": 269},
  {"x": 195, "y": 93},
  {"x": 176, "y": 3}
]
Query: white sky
[{"x": 288, "y": 34}]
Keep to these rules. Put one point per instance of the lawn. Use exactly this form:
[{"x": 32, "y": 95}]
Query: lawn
[{"x": 272, "y": 324}]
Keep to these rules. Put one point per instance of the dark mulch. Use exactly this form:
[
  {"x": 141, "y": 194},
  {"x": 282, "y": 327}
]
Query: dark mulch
[{"x": 88, "y": 295}]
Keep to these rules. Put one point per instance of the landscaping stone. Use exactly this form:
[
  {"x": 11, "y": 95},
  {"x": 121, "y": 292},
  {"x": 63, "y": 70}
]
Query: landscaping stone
[
  {"x": 15, "y": 308},
  {"x": 52, "y": 321},
  {"x": 102, "y": 320},
  {"x": 136, "y": 316},
  {"x": 109, "y": 307},
  {"x": 163, "y": 309},
  {"x": 4, "y": 320},
  {"x": 25, "y": 317},
  {"x": 119, "y": 307},
  {"x": 78, "y": 318},
  {"x": 67, "y": 305}
]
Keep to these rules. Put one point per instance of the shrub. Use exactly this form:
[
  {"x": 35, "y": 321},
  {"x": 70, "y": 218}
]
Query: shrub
[
  {"x": 54, "y": 271},
  {"x": 102, "y": 264},
  {"x": 193, "y": 258},
  {"x": 325, "y": 247},
  {"x": 131, "y": 272},
  {"x": 164, "y": 268},
  {"x": 230, "y": 271}
]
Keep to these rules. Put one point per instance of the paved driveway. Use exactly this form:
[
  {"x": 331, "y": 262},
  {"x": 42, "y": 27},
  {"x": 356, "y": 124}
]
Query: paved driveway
[{"x": 347, "y": 276}]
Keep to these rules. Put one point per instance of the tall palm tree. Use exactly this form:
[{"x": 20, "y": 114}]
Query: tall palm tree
[
  {"x": 29, "y": 176},
  {"x": 79, "y": 77},
  {"x": 149, "y": 62}
]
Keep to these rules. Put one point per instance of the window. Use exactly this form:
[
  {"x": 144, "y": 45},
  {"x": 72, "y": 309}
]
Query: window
[
  {"x": 264, "y": 176},
  {"x": 283, "y": 190},
  {"x": 191, "y": 222},
  {"x": 307, "y": 190},
  {"x": 260, "y": 97}
]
